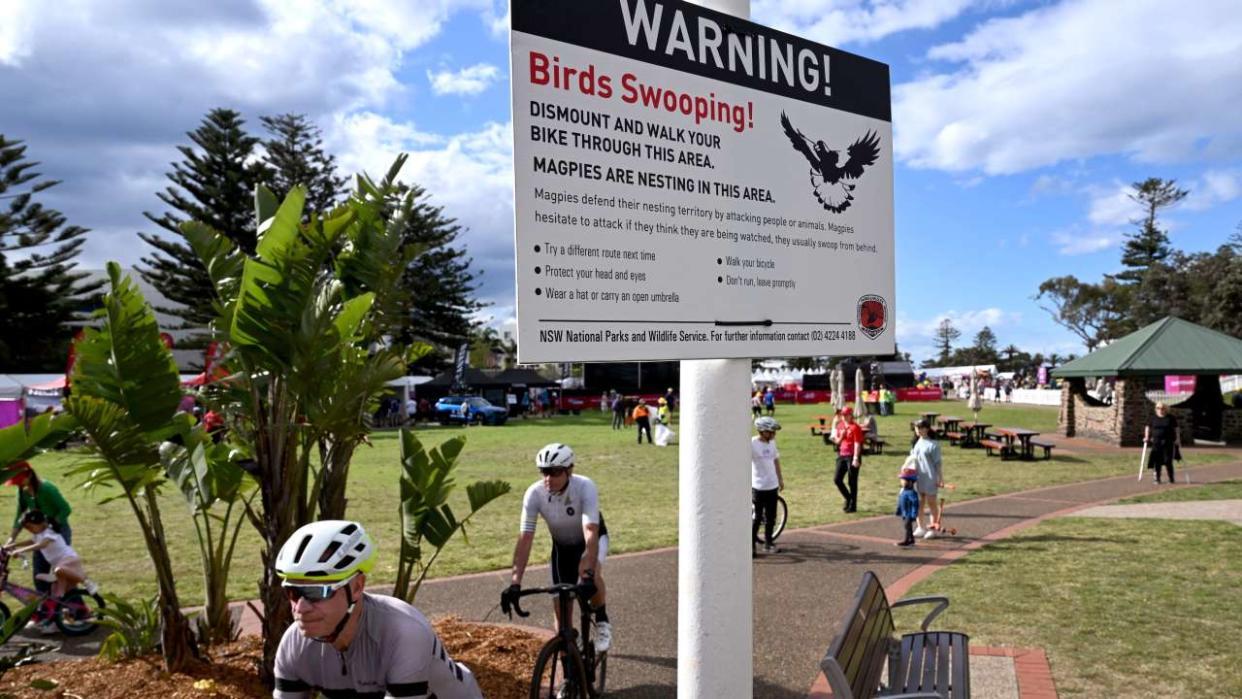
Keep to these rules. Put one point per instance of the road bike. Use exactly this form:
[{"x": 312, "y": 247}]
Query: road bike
[
  {"x": 782, "y": 514},
  {"x": 75, "y": 613},
  {"x": 582, "y": 670}
]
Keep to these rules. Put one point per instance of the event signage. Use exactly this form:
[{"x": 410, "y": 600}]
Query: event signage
[{"x": 690, "y": 185}]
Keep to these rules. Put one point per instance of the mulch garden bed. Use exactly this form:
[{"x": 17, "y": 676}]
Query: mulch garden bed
[{"x": 501, "y": 657}]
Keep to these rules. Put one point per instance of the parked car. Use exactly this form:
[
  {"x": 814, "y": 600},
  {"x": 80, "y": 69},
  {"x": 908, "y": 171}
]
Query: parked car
[{"x": 448, "y": 410}]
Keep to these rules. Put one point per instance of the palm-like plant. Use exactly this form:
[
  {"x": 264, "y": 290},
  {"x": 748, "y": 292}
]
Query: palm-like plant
[
  {"x": 125, "y": 392},
  {"x": 426, "y": 517},
  {"x": 300, "y": 322}
]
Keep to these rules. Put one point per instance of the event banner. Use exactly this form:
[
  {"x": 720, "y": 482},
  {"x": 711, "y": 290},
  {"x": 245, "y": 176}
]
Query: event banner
[{"x": 690, "y": 185}]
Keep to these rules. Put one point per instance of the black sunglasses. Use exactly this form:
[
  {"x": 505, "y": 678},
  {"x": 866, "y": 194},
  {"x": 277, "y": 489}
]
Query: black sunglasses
[
  {"x": 312, "y": 593},
  {"x": 553, "y": 471}
]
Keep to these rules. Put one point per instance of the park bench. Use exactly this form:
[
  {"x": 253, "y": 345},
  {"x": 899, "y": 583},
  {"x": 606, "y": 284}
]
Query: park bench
[
  {"x": 1046, "y": 446},
  {"x": 921, "y": 665},
  {"x": 1001, "y": 448},
  {"x": 954, "y": 437},
  {"x": 874, "y": 444}
]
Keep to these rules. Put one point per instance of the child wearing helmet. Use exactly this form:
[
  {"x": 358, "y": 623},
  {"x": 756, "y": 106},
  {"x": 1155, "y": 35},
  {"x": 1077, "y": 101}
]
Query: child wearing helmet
[
  {"x": 766, "y": 482},
  {"x": 908, "y": 502},
  {"x": 334, "y": 647},
  {"x": 569, "y": 504}
]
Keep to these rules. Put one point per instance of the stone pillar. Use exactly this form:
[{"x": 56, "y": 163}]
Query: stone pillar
[
  {"x": 1133, "y": 411},
  {"x": 1065, "y": 419}
]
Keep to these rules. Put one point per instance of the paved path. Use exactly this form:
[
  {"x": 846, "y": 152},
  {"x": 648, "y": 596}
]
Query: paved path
[
  {"x": 799, "y": 595},
  {"x": 1224, "y": 510}
]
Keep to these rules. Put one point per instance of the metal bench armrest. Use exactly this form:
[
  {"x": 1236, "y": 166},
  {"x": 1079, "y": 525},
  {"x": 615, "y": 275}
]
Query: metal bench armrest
[
  {"x": 941, "y": 602},
  {"x": 915, "y": 695}
]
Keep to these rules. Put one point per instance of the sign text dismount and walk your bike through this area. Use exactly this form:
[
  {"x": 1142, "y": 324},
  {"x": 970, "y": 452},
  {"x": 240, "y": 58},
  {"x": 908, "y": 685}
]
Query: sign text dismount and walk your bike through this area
[{"x": 690, "y": 185}]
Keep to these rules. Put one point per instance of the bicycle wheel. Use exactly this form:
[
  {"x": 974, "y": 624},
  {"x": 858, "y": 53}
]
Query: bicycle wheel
[
  {"x": 76, "y": 614},
  {"x": 600, "y": 674},
  {"x": 551, "y": 680},
  {"x": 782, "y": 514}
]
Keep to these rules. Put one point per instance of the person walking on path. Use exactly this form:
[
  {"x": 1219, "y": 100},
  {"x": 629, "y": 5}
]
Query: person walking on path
[
  {"x": 926, "y": 453},
  {"x": 766, "y": 482},
  {"x": 849, "y": 459},
  {"x": 618, "y": 412},
  {"x": 908, "y": 504},
  {"x": 642, "y": 418},
  {"x": 34, "y": 493},
  {"x": 1164, "y": 438}
]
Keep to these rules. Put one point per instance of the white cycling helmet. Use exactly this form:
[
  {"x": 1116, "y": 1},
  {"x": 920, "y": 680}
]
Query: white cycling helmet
[
  {"x": 331, "y": 550},
  {"x": 555, "y": 455},
  {"x": 767, "y": 424}
]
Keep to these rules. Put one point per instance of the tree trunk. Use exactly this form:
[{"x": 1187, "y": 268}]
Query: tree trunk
[
  {"x": 178, "y": 646},
  {"x": 335, "y": 457}
]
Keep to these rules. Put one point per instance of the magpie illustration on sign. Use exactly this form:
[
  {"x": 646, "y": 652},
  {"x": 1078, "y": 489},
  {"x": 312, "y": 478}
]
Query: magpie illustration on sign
[{"x": 831, "y": 181}]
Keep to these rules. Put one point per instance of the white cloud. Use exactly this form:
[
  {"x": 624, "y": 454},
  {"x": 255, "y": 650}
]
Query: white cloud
[
  {"x": 1112, "y": 206},
  {"x": 1214, "y": 187},
  {"x": 837, "y": 22},
  {"x": 15, "y": 19},
  {"x": 1152, "y": 80},
  {"x": 1079, "y": 242},
  {"x": 917, "y": 336},
  {"x": 467, "y": 81}
]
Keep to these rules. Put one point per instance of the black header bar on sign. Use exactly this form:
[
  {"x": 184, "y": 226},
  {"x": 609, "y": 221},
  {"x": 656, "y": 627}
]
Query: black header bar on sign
[{"x": 693, "y": 39}]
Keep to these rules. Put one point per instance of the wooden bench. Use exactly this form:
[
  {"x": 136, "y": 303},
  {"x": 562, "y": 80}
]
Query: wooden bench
[
  {"x": 921, "y": 665},
  {"x": 1046, "y": 446},
  {"x": 1001, "y": 447},
  {"x": 954, "y": 437},
  {"x": 873, "y": 444}
]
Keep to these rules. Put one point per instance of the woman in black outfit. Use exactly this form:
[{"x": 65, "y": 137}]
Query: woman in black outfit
[{"x": 1163, "y": 437}]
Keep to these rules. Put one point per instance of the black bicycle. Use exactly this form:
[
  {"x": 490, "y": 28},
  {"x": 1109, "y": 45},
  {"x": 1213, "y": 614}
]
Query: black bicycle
[
  {"x": 782, "y": 514},
  {"x": 582, "y": 671}
]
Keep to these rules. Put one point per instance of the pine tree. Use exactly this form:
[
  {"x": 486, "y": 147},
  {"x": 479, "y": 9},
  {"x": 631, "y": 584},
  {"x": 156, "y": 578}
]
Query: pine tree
[
  {"x": 213, "y": 184},
  {"x": 985, "y": 346},
  {"x": 945, "y": 335},
  {"x": 40, "y": 294},
  {"x": 1149, "y": 245},
  {"x": 295, "y": 156},
  {"x": 439, "y": 299}
]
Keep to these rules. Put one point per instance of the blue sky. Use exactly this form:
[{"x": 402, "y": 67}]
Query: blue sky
[{"x": 1018, "y": 125}]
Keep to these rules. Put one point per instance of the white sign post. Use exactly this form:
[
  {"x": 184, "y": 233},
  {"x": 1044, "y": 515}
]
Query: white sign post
[{"x": 690, "y": 185}]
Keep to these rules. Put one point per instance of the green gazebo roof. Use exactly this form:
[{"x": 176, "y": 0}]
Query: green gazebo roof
[{"x": 1169, "y": 346}]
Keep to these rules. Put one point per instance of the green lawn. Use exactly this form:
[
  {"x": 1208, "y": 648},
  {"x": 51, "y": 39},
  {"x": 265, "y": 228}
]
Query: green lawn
[
  {"x": 638, "y": 487},
  {"x": 1224, "y": 490},
  {"x": 1124, "y": 608}
]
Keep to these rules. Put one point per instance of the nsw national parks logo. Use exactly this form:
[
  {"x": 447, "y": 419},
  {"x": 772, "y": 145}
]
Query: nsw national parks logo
[
  {"x": 872, "y": 315},
  {"x": 833, "y": 182}
]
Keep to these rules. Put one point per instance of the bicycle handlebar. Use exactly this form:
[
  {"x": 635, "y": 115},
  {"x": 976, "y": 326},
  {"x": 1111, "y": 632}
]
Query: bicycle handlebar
[{"x": 510, "y": 606}]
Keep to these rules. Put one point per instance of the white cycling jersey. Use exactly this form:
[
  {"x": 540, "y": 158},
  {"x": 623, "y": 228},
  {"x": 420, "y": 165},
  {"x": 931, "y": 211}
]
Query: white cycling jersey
[
  {"x": 565, "y": 512},
  {"x": 395, "y": 653}
]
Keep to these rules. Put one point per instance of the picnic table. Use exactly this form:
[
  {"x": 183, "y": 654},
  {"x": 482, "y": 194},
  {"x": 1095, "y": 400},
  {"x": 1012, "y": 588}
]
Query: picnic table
[
  {"x": 929, "y": 417},
  {"x": 1023, "y": 436},
  {"x": 950, "y": 428},
  {"x": 973, "y": 432}
]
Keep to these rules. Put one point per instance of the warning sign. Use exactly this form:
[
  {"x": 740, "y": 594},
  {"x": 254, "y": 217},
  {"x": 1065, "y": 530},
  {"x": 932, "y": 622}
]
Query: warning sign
[{"x": 690, "y": 185}]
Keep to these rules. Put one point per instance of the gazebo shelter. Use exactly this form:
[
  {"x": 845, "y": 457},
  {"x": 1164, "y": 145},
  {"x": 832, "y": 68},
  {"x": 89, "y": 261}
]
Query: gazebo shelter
[{"x": 1139, "y": 362}]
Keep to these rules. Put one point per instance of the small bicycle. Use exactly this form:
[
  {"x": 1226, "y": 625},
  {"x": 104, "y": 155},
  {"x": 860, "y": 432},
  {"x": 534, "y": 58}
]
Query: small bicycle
[
  {"x": 74, "y": 613},
  {"x": 584, "y": 670},
  {"x": 782, "y": 514}
]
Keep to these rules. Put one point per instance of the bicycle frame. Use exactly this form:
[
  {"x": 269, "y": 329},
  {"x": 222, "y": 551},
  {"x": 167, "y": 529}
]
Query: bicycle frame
[
  {"x": 25, "y": 595},
  {"x": 566, "y": 593}
]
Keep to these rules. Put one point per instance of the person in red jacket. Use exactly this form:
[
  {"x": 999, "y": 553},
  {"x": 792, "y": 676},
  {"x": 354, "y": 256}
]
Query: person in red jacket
[{"x": 849, "y": 458}]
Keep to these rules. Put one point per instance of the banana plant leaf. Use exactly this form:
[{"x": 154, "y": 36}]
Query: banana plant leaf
[{"x": 18, "y": 443}]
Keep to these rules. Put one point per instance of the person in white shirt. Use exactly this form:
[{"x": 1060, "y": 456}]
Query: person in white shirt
[
  {"x": 765, "y": 482},
  {"x": 569, "y": 504}
]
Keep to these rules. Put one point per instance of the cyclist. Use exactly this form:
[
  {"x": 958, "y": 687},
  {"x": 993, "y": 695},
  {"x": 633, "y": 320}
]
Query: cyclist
[
  {"x": 347, "y": 642},
  {"x": 766, "y": 482},
  {"x": 569, "y": 503}
]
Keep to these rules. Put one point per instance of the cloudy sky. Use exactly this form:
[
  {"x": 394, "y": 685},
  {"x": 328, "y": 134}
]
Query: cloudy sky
[{"x": 1018, "y": 125}]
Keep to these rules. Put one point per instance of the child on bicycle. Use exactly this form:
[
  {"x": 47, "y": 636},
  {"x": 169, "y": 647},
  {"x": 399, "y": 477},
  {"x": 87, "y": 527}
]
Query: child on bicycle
[{"x": 67, "y": 569}]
